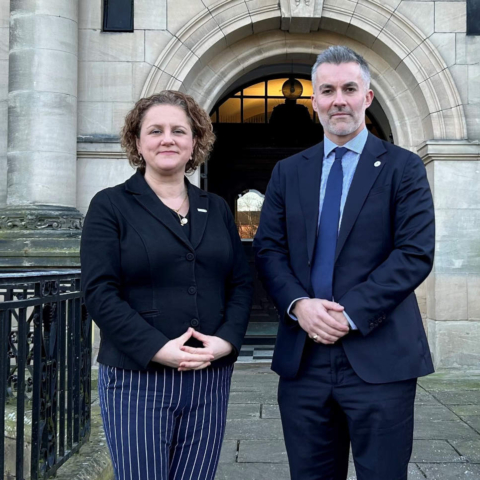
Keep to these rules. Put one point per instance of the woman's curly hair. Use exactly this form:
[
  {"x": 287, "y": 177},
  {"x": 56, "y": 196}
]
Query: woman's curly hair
[{"x": 199, "y": 121}]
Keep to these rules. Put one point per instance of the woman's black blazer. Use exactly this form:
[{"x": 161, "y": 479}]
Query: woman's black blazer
[{"x": 145, "y": 282}]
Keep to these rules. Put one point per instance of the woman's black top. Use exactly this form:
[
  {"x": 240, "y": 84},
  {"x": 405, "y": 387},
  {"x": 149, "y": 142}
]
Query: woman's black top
[{"x": 146, "y": 279}]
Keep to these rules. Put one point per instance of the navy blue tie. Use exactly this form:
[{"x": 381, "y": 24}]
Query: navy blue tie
[{"x": 324, "y": 259}]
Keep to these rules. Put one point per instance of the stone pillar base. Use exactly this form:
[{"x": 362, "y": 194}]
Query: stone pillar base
[
  {"x": 455, "y": 344},
  {"x": 40, "y": 236}
]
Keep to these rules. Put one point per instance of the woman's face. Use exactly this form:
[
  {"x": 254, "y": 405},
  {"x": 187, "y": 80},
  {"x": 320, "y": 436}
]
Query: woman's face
[{"x": 166, "y": 140}]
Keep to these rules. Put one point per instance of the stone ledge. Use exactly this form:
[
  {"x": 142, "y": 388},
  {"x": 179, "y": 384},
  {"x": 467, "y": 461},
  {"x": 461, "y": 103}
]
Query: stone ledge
[{"x": 449, "y": 150}]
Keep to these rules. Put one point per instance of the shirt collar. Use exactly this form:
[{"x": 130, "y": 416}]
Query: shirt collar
[{"x": 356, "y": 144}]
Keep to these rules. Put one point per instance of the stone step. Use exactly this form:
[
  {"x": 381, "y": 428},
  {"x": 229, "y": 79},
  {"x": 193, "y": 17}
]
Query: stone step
[{"x": 261, "y": 333}]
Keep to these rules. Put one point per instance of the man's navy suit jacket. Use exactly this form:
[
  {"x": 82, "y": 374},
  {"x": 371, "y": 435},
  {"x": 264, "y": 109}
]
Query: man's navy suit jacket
[{"x": 384, "y": 251}]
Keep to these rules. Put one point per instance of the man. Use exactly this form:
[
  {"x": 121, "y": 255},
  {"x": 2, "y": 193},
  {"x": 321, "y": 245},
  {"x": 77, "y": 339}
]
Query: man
[{"x": 346, "y": 235}]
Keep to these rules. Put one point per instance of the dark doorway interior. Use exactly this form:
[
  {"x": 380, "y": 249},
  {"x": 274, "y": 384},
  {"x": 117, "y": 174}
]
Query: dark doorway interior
[{"x": 256, "y": 126}]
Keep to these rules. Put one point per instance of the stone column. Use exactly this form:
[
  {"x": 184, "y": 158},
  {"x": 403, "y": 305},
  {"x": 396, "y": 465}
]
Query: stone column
[
  {"x": 40, "y": 225},
  {"x": 453, "y": 287}
]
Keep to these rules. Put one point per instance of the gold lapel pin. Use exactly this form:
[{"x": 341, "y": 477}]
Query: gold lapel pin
[{"x": 377, "y": 164}]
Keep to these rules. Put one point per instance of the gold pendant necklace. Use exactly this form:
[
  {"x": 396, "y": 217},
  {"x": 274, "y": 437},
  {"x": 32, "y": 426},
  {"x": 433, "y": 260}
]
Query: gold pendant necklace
[{"x": 183, "y": 220}]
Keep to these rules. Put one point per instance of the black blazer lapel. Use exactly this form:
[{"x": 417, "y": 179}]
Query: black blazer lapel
[
  {"x": 309, "y": 176},
  {"x": 147, "y": 198},
  {"x": 363, "y": 180},
  {"x": 198, "y": 213}
]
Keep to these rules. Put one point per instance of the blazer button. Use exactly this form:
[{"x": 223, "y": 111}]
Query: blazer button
[
  {"x": 192, "y": 290},
  {"x": 190, "y": 257},
  {"x": 194, "y": 322}
]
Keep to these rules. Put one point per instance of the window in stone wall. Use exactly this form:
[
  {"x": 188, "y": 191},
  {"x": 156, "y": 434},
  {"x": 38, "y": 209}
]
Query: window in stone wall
[
  {"x": 118, "y": 15},
  {"x": 473, "y": 17},
  {"x": 255, "y": 103}
]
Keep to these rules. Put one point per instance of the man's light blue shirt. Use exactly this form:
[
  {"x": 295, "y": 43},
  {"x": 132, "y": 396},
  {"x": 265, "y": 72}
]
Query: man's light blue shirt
[{"x": 349, "y": 165}]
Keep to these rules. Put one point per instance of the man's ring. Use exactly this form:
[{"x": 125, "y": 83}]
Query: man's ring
[{"x": 314, "y": 338}]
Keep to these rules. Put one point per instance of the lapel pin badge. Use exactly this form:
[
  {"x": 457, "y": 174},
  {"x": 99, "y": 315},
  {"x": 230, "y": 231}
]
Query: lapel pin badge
[
  {"x": 202, "y": 210},
  {"x": 377, "y": 164}
]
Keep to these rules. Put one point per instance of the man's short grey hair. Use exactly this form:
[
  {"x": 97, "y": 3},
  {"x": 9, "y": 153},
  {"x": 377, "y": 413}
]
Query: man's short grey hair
[{"x": 339, "y": 54}]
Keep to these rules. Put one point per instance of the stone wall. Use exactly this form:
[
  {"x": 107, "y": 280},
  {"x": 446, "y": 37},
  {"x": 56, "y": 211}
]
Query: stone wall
[
  {"x": 4, "y": 41},
  {"x": 113, "y": 68},
  {"x": 453, "y": 290},
  {"x": 195, "y": 46}
]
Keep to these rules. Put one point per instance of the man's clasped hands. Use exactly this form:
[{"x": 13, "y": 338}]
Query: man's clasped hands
[{"x": 323, "y": 321}]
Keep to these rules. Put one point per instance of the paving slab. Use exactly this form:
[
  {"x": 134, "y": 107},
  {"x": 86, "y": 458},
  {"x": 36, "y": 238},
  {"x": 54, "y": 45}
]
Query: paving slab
[
  {"x": 435, "y": 451},
  {"x": 270, "y": 411},
  {"x": 229, "y": 451},
  {"x": 253, "y": 429},
  {"x": 469, "y": 449},
  {"x": 414, "y": 472},
  {"x": 253, "y": 397},
  {"x": 425, "y": 398},
  {"x": 451, "y": 381},
  {"x": 458, "y": 397},
  {"x": 449, "y": 471},
  {"x": 253, "y": 471},
  {"x": 426, "y": 429},
  {"x": 465, "y": 410},
  {"x": 434, "y": 413},
  {"x": 258, "y": 451},
  {"x": 241, "y": 410},
  {"x": 473, "y": 421}
]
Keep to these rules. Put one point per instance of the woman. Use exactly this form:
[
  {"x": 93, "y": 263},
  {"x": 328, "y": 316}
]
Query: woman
[{"x": 166, "y": 280}]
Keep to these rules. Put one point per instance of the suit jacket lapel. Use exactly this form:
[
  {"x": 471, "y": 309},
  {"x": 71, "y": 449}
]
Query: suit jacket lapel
[
  {"x": 363, "y": 180},
  {"x": 309, "y": 176},
  {"x": 198, "y": 214},
  {"x": 146, "y": 197}
]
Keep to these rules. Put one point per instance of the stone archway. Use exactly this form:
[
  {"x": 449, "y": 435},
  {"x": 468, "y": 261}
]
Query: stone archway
[{"x": 409, "y": 76}]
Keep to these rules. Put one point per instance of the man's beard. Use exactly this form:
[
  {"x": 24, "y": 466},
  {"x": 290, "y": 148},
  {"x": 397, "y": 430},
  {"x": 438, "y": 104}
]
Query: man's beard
[{"x": 342, "y": 128}]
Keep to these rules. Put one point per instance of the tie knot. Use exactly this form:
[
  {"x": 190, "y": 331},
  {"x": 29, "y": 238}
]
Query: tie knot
[{"x": 340, "y": 152}]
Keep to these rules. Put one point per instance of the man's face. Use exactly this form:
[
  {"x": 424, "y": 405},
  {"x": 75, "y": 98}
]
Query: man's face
[{"x": 340, "y": 99}]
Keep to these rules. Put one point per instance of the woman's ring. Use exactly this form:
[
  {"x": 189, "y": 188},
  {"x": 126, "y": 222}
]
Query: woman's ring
[{"x": 315, "y": 337}]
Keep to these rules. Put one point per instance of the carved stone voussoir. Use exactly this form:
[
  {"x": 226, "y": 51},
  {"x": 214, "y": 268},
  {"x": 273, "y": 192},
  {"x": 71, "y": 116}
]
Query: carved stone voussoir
[
  {"x": 38, "y": 218},
  {"x": 301, "y": 16}
]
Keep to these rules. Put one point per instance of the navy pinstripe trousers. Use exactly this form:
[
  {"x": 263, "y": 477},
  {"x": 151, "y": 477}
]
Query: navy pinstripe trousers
[{"x": 164, "y": 425}]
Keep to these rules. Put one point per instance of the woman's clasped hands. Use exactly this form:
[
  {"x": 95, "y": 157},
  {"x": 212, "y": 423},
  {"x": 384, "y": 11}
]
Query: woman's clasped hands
[{"x": 177, "y": 355}]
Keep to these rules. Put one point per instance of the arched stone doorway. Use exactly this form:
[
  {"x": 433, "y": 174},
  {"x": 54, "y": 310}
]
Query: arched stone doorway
[
  {"x": 227, "y": 42},
  {"x": 409, "y": 77}
]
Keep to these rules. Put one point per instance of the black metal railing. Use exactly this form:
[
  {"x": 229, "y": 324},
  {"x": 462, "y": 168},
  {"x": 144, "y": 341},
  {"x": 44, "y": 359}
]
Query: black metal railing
[{"x": 45, "y": 372}]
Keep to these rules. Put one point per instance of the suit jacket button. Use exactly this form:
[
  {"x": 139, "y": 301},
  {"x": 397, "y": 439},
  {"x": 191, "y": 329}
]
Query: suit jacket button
[
  {"x": 192, "y": 290},
  {"x": 194, "y": 322},
  {"x": 190, "y": 256}
]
